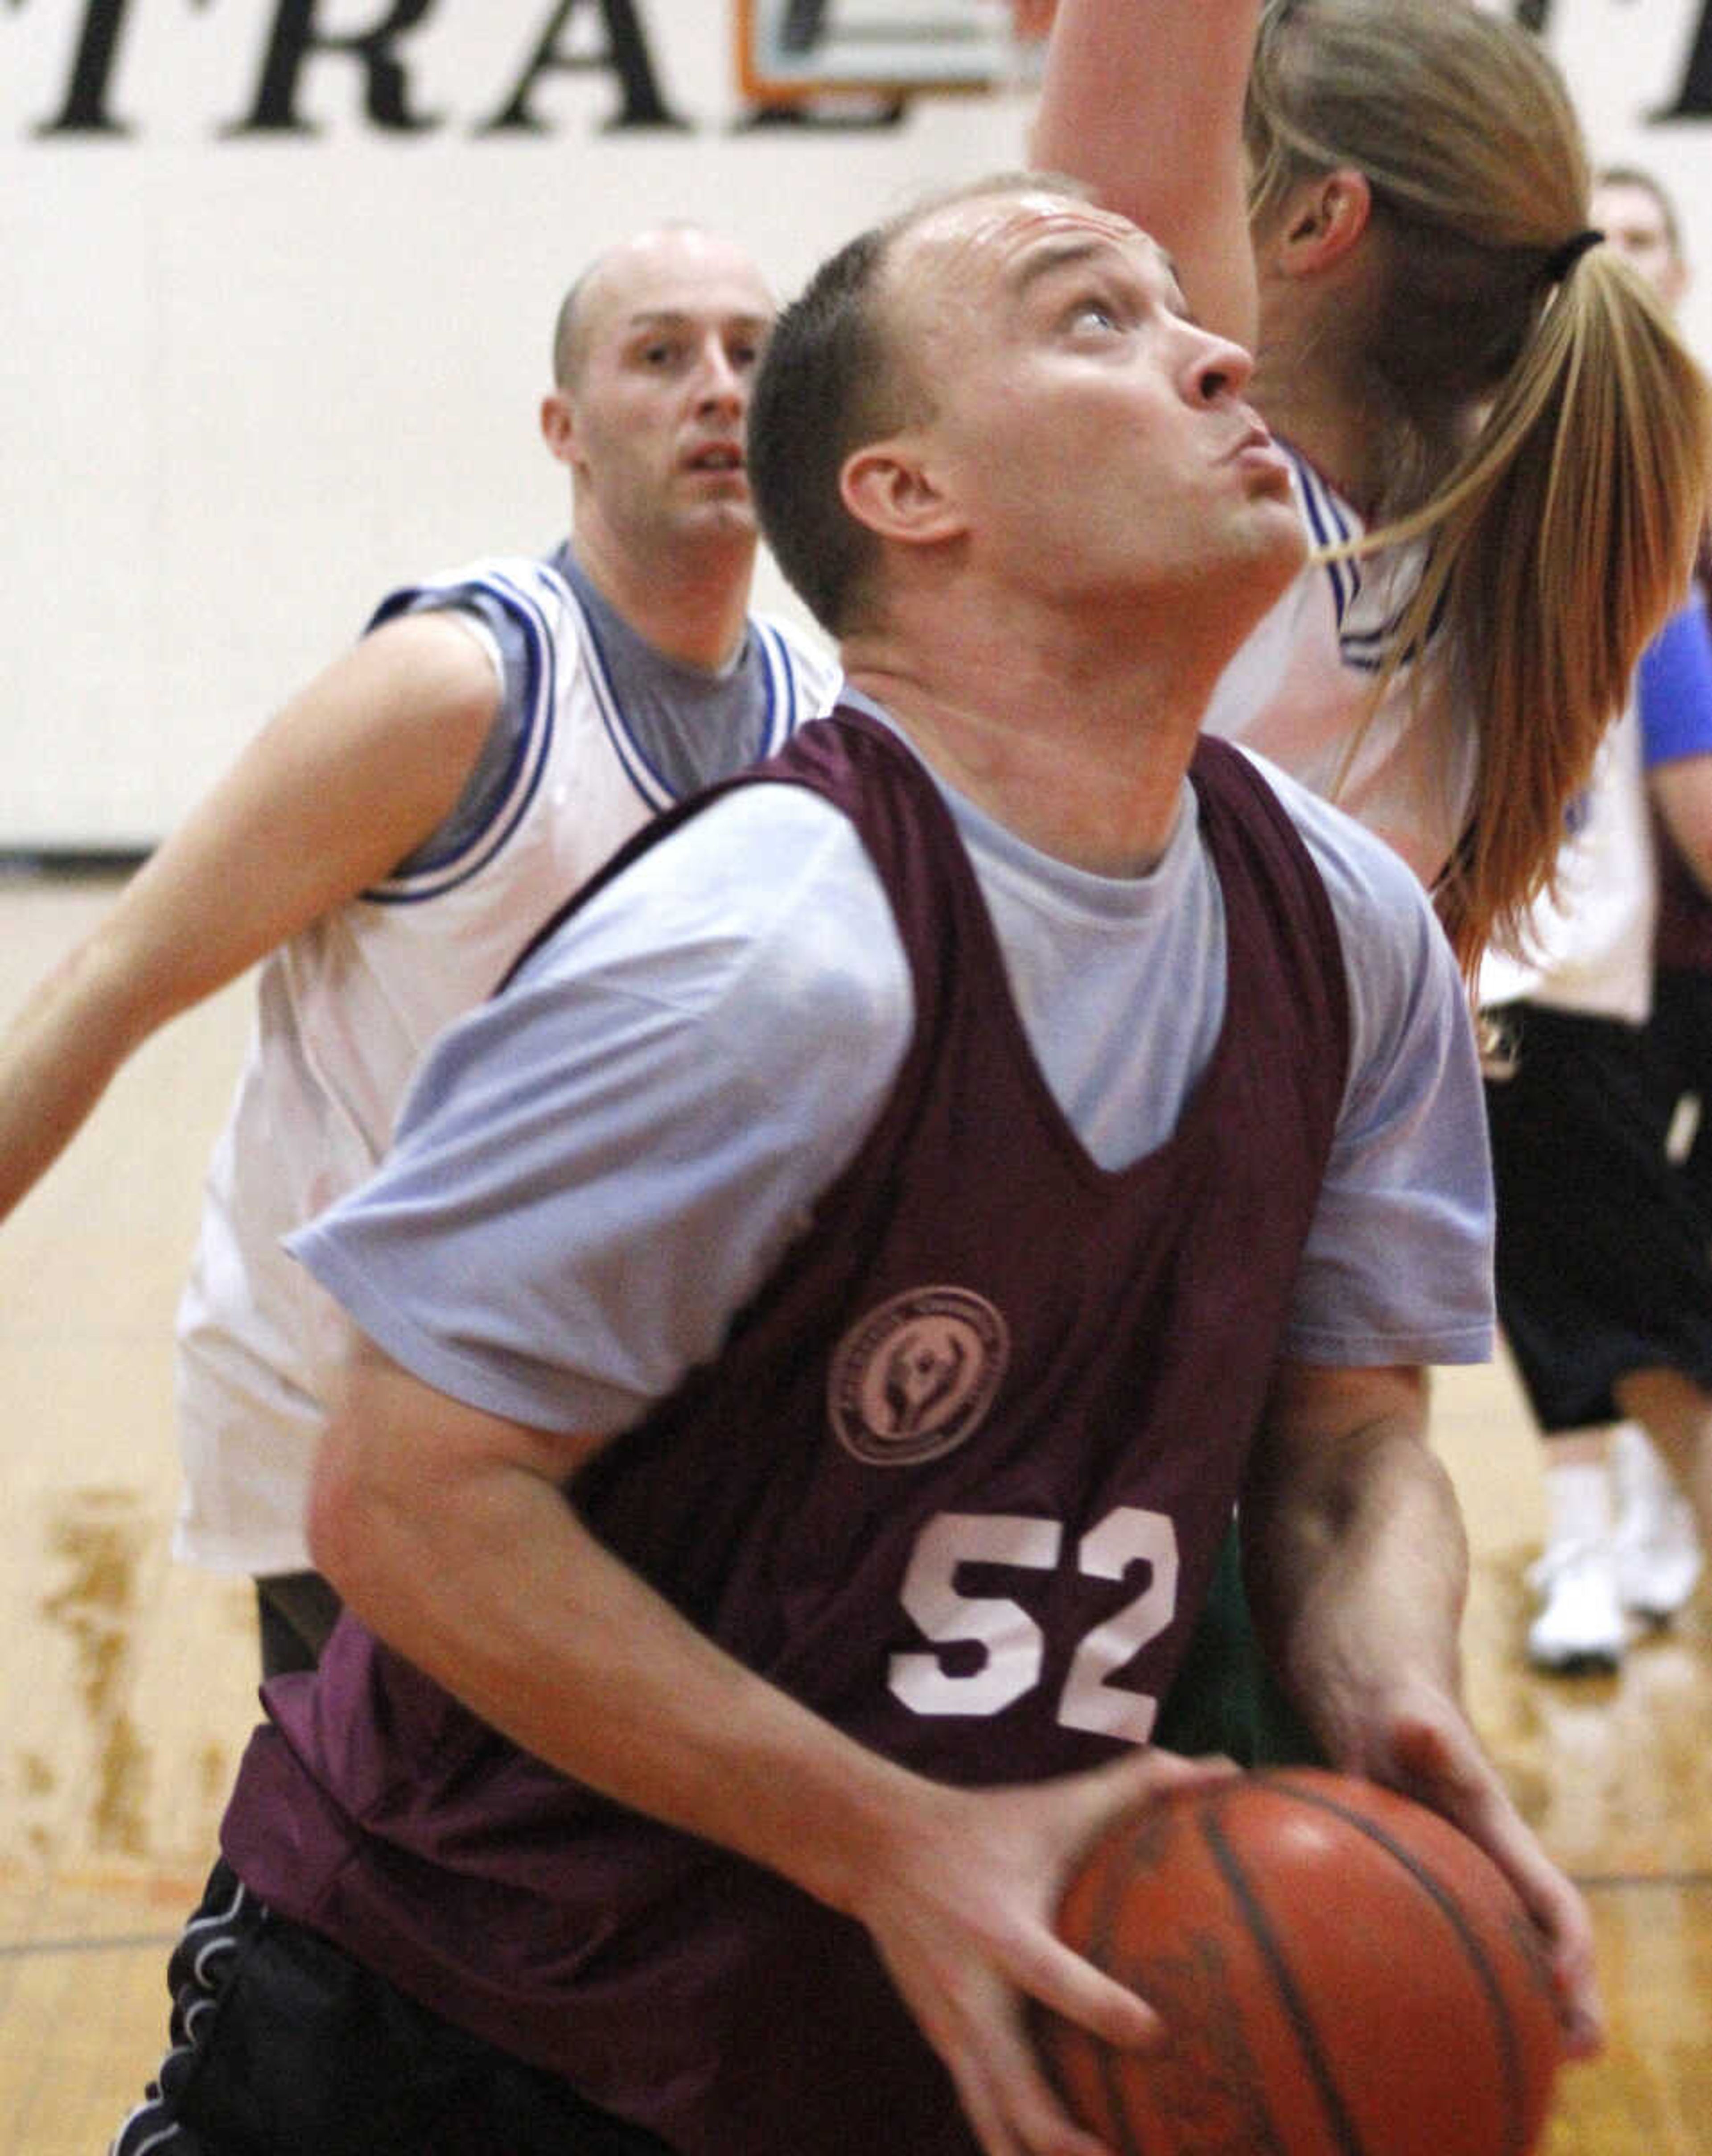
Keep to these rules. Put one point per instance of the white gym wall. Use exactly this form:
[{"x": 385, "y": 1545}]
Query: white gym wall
[{"x": 250, "y": 378}]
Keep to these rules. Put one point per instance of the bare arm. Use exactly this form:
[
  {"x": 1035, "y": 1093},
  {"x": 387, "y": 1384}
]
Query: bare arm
[
  {"x": 1683, "y": 789},
  {"x": 1357, "y": 1562},
  {"x": 446, "y": 1529},
  {"x": 342, "y": 782},
  {"x": 1143, "y": 99}
]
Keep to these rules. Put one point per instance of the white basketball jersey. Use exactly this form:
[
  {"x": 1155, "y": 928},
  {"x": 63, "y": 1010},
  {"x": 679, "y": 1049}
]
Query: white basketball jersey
[
  {"x": 1300, "y": 691},
  {"x": 343, "y": 1013}
]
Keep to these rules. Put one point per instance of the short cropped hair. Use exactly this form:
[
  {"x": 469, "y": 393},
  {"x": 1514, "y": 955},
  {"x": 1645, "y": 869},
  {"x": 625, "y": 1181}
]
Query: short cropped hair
[
  {"x": 833, "y": 377},
  {"x": 568, "y": 338},
  {"x": 821, "y": 391}
]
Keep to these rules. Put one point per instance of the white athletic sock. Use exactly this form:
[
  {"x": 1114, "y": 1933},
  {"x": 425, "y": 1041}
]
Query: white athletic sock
[{"x": 1578, "y": 1502}]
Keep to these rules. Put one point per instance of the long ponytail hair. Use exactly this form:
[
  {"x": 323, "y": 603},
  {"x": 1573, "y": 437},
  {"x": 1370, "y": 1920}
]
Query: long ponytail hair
[{"x": 1549, "y": 437}]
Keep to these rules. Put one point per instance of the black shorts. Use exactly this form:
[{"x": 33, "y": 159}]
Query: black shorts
[
  {"x": 283, "y": 2045},
  {"x": 296, "y": 1612},
  {"x": 1682, "y": 1031},
  {"x": 1602, "y": 1265}
]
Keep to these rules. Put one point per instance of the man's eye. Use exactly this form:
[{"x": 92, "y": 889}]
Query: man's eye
[{"x": 1099, "y": 314}]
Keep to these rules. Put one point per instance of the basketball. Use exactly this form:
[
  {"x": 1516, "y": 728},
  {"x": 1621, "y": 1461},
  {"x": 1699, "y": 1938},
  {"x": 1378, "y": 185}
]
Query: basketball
[{"x": 1340, "y": 1973}]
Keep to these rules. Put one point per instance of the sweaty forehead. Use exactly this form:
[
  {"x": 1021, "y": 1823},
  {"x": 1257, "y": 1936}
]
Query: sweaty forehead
[{"x": 1012, "y": 240}]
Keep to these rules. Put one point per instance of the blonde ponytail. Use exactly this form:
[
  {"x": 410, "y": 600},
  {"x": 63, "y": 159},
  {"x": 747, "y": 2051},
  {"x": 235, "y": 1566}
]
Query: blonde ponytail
[
  {"x": 1548, "y": 436},
  {"x": 1555, "y": 551}
]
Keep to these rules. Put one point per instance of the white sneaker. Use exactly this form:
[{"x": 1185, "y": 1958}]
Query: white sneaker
[
  {"x": 1656, "y": 1545},
  {"x": 1580, "y": 1626}
]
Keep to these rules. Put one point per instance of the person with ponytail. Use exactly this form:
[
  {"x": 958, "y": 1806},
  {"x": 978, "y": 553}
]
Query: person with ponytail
[
  {"x": 1503, "y": 446},
  {"x": 1603, "y": 1260},
  {"x": 1502, "y": 450}
]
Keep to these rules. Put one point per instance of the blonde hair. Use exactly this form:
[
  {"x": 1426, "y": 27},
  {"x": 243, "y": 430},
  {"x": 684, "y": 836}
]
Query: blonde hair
[{"x": 1549, "y": 437}]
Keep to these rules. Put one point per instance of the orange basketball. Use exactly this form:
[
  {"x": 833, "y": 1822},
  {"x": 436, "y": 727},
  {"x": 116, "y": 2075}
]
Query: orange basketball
[{"x": 1340, "y": 1971}]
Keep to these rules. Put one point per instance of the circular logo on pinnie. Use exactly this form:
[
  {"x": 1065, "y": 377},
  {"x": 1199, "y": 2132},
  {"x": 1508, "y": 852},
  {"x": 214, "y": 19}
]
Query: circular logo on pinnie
[{"x": 914, "y": 1378}]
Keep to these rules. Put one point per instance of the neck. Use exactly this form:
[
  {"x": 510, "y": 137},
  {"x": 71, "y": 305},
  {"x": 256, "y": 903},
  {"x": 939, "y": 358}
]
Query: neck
[
  {"x": 691, "y": 605},
  {"x": 1327, "y": 423},
  {"x": 1079, "y": 754},
  {"x": 1383, "y": 459},
  {"x": 1313, "y": 379}
]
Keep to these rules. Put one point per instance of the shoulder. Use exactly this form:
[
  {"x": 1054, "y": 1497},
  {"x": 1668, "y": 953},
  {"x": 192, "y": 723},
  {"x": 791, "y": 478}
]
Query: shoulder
[
  {"x": 1369, "y": 883},
  {"x": 518, "y": 607},
  {"x": 1402, "y": 977},
  {"x": 522, "y": 581},
  {"x": 761, "y": 915}
]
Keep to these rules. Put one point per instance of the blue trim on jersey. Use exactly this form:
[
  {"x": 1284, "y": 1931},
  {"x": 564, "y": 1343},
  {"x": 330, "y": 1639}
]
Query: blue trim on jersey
[
  {"x": 1330, "y": 524},
  {"x": 432, "y": 879},
  {"x": 784, "y": 691},
  {"x": 650, "y": 783},
  {"x": 1327, "y": 527}
]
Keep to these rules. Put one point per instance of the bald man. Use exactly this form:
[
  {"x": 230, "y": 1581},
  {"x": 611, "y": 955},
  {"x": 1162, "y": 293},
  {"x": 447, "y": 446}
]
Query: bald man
[{"x": 393, "y": 837}]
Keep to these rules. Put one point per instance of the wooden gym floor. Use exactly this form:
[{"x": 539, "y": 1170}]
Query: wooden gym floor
[{"x": 129, "y": 1682}]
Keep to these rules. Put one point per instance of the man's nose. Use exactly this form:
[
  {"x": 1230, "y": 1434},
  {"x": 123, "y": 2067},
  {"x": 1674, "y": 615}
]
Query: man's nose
[
  {"x": 1220, "y": 368},
  {"x": 718, "y": 382}
]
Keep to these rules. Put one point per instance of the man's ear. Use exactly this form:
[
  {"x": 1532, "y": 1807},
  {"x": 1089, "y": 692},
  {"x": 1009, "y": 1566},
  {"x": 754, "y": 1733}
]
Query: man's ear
[
  {"x": 558, "y": 426},
  {"x": 1322, "y": 221},
  {"x": 890, "y": 487}
]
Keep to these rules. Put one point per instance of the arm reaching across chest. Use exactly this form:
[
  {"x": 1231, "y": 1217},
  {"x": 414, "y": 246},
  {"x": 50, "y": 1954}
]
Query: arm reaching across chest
[{"x": 350, "y": 775}]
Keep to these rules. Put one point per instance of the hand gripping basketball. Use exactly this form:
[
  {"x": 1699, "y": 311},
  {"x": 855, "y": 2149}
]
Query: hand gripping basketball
[{"x": 1340, "y": 1971}]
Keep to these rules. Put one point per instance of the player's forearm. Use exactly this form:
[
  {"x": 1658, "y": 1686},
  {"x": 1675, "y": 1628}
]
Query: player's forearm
[
  {"x": 1143, "y": 99},
  {"x": 57, "y": 1057},
  {"x": 181, "y": 929},
  {"x": 491, "y": 1584},
  {"x": 1357, "y": 1563},
  {"x": 1359, "y": 1570},
  {"x": 1116, "y": 67}
]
